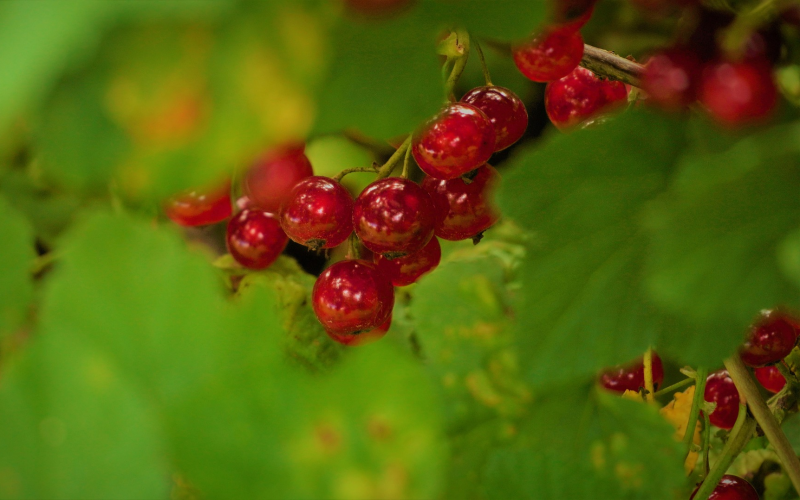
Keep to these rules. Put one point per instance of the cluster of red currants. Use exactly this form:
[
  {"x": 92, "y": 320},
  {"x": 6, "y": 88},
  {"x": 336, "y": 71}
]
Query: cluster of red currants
[{"x": 397, "y": 220}]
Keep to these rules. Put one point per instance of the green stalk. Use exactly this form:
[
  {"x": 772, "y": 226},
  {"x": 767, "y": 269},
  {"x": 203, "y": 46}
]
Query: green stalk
[
  {"x": 699, "y": 388},
  {"x": 674, "y": 387},
  {"x": 386, "y": 169},
  {"x": 459, "y": 64},
  {"x": 484, "y": 67},
  {"x": 648, "y": 376}
]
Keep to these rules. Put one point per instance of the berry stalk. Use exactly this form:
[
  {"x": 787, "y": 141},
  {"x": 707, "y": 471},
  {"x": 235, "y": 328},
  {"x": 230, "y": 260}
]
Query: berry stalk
[
  {"x": 386, "y": 168},
  {"x": 699, "y": 392},
  {"x": 674, "y": 387},
  {"x": 607, "y": 64},
  {"x": 648, "y": 375}
]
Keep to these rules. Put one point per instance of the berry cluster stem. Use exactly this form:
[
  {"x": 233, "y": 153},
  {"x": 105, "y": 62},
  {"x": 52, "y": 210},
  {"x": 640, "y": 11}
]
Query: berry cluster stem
[
  {"x": 460, "y": 62},
  {"x": 648, "y": 375},
  {"x": 674, "y": 387},
  {"x": 340, "y": 175},
  {"x": 484, "y": 67},
  {"x": 609, "y": 65},
  {"x": 699, "y": 390},
  {"x": 386, "y": 169}
]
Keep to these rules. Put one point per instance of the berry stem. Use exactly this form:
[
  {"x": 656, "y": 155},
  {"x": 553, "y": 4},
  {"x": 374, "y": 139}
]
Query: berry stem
[
  {"x": 747, "y": 387},
  {"x": 352, "y": 247},
  {"x": 609, "y": 65},
  {"x": 386, "y": 169},
  {"x": 648, "y": 376},
  {"x": 706, "y": 443},
  {"x": 699, "y": 391},
  {"x": 674, "y": 387},
  {"x": 484, "y": 67},
  {"x": 340, "y": 175},
  {"x": 462, "y": 43},
  {"x": 406, "y": 163}
]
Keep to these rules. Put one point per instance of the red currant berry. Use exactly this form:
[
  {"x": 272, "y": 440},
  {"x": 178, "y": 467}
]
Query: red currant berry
[
  {"x": 738, "y": 92},
  {"x": 318, "y": 213},
  {"x": 458, "y": 139},
  {"x": 631, "y": 377},
  {"x": 731, "y": 488},
  {"x": 771, "y": 378},
  {"x": 364, "y": 338},
  {"x": 720, "y": 390},
  {"x": 671, "y": 77},
  {"x": 270, "y": 180},
  {"x": 770, "y": 340},
  {"x": 407, "y": 270},
  {"x": 255, "y": 238},
  {"x": 550, "y": 55},
  {"x": 504, "y": 109},
  {"x": 464, "y": 209},
  {"x": 394, "y": 217},
  {"x": 199, "y": 208},
  {"x": 580, "y": 96},
  {"x": 573, "y": 14},
  {"x": 352, "y": 297},
  {"x": 244, "y": 202}
]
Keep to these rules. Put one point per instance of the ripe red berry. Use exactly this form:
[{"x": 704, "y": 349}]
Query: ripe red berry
[
  {"x": 631, "y": 377},
  {"x": 318, "y": 213},
  {"x": 364, "y": 338},
  {"x": 352, "y": 297},
  {"x": 458, "y": 139},
  {"x": 394, "y": 217},
  {"x": 731, "y": 488},
  {"x": 720, "y": 390},
  {"x": 406, "y": 270},
  {"x": 550, "y": 55},
  {"x": 464, "y": 209},
  {"x": 504, "y": 109},
  {"x": 255, "y": 238},
  {"x": 671, "y": 78},
  {"x": 270, "y": 180},
  {"x": 771, "y": 378},
  {"x": 581, "y": 95},
  {"x": 738, "y": 92},
  {"x": 770, "y": 340},
  {"x": 200, "y": 207}
]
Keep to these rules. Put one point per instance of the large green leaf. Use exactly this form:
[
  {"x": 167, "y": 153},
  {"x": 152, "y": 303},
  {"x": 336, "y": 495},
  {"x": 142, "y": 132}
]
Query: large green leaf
[{"x": 16, "y": 259}]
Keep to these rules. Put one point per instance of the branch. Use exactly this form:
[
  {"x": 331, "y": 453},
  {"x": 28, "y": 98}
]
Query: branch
[{"x": 607, "y": 64}]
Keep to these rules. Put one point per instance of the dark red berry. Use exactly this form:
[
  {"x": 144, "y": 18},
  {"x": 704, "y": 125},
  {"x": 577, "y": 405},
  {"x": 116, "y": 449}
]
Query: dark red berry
[
  {"x": 573, "y": 14},
  {"x": 318, "y": 213},
  {"x": 364, "y": 338},
  {"x": 352, "y": 297},
  {"x": 738, "y": 92},
  {"x": 581, "y": 95},
  {"x": 270, "y": 180},
  {"x": 504, "y": 109},
  {"x": 464, "y": 208},
  {"x": 255, "y": 238},
  {"x": 708, "y": 28},
  {"x": 550, "y": 55},
  {"x": 731, "y": 488},
  {"x": 458, "y": 139},
  {"x": 394, "y": 217},
  {"x": 631, "y": 377},
  {"x": 770, "y": 340},
  {"x": 200, "y": 207},
  {"x": 771, "y": 378},
  {"x": 671, "y": 78},
  {"x": 764, "y": 44},
  {"x": 407, "y": 270},
  {"x": 720, "y": 390}
]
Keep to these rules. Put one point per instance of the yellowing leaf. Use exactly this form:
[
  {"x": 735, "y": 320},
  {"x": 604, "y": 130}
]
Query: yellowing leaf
[{"x": 677, "y": 413}]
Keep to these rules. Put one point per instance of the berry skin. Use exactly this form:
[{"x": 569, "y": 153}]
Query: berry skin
[
  {"x": 270, "y": 180},
  {"x": 394, "y": 217},
  {"x": 735, "y": 93},
  {"x": 464, "y": 210},
  {"x": 770, "y": 340},
  {"x": 631, "y": 377},
  {"x": 504, "y": 109},
  {"x": 458, "y": 139},
  {"x": 550, "y": 55},
  {"x": 199, "y": 208},
  {"x": 352, "y": 297},
  {"x": 255, "y": 238},
  {"x": 407, "y": 270},
  {"x": 318, "y": 213},
  {"x": 720, "y": 390},
  {"x": 771, "y": 378},
  {"x": 731, "y": 488},
  {"x": 671, "y": 77},
  {"x": 364, "y": 338},
  {"x": 580, "y": 96}
]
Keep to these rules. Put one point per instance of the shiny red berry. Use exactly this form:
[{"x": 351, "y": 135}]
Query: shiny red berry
[
  {"x": 464, "y": 208},
  {"x": 458, "y": 139},
  {"x": 255, "y": 238},
  {"x": 270, "y": 180},
  {"x": 504, "y": 109},
  {"x": 394, "y": 217},
  {"x": 318, "y": 213},
  {"x": 731, "y": 488},
  {"x": 671, "y": 78},
  {"x": 550, "y": 55},
  {"x": 770, "y": 340},
  {"x": 631, "y": 377},
  {"x": 352, "y": 297},
  {"x": 720, "y": 390},
  {"x": 364, "y": 338},
  {"x": 406, "y": 270},
  {"x": 200, "y": 207},
  {"x": 735, "y": 93},
  {"x": 581, "y": 95},
  {"x": 771, "y": 378}
]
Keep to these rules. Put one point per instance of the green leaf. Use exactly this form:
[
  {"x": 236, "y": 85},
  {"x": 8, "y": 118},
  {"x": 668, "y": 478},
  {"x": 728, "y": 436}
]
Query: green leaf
[
  {"x": 508, "y": 20},
  {"x": 16, "y": 259}
]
